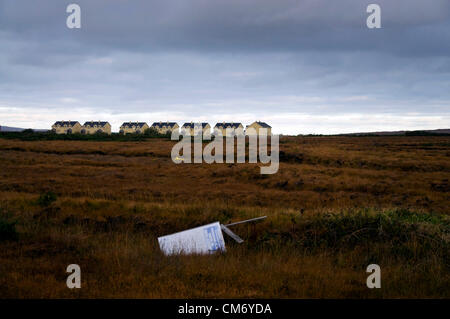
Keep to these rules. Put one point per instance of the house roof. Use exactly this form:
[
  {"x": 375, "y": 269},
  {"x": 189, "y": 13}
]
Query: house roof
[
  {"x": 93, "y": 123},
  {"x": 263, "y": 124},
  {"x": 131, "y": 124},
  {"x": 68, "y": 123},
  {"x": 228, "y": 125},
  {"x": 161, "y": 124},
  {"x": 192, "y": 125}
]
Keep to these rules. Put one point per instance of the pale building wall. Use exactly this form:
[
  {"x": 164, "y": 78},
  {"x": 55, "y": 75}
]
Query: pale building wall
[
  {"x": 92, "y": 130},
  {"x": 190, "y": 131},
  {"x": 231, "y": 131},
  {"x": 134, "y": 129},
  {"x": 164, "y": 129},
  {"x": 207, "y": 130},
  {"x": 239, "y": 130},
  {"x": 257, "y": 129},
  {"x": 58, "y": 129}
]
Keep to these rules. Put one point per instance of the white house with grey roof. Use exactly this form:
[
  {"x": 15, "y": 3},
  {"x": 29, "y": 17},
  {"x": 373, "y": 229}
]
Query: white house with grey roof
[
  {"x": 229, "y": 129},
  {"x": 66, "y": 127},
  {"x": 189, "y": 128},
  {"x": 258, "y": 128},
  {"x": 94, "y": 127},
  {"x": 133, "y": 128},
  {"x": 165, "y": 127}
]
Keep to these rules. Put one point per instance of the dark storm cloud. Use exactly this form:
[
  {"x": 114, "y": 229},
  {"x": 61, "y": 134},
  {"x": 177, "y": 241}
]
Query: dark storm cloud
[
  {"x": 205, "y": 57},
  {"x": 237, "y": 24}
]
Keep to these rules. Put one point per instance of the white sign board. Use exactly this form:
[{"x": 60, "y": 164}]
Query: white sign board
[{"x": 200, "y": 240}]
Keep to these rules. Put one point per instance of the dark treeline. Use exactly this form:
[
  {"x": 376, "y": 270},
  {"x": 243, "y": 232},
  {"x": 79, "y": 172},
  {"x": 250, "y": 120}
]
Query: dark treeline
[{"x": 30, "y": 135}]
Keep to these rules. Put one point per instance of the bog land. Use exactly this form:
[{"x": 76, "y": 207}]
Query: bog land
[{"x": 336, "y": 205}]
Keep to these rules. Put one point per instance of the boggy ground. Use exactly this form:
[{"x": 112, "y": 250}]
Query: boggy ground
[{"x": 336, "y": 205}]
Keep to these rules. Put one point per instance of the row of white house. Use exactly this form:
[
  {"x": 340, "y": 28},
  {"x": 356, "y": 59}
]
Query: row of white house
[{"x": 92, "y": 127}]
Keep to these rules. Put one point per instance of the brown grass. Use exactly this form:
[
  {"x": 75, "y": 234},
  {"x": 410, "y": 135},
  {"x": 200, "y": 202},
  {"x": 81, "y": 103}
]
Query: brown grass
[{"x": 336, "y": 205}]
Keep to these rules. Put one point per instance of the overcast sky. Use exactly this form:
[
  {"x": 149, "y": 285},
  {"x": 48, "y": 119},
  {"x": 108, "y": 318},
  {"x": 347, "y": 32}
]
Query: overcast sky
[{"x": 303, "y": 66}]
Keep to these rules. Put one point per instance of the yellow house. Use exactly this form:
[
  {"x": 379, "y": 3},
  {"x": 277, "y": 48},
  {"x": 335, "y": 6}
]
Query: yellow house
[
  {"x": 233, "y": 129},
  {"x": 66, "y": 127},
  {"x": 189, "y": 128},
  {"x": 133, "y": 127},
  {"x": 93, "y": 127},
  {"x": 165, "y": 127},
  {"x": 258, "y": 128}
]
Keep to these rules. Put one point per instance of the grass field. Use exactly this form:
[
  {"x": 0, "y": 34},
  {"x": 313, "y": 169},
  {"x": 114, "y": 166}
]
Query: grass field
[{"x": 336, "y": 205}]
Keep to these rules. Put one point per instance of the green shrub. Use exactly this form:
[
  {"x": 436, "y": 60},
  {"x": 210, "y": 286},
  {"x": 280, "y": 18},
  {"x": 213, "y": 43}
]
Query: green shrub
[{"x": 402, "y": 233}]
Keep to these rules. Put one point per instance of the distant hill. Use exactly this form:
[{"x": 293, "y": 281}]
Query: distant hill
[
  {"x": 400, "y": 133},
  {"x": 16, "y": 129}
]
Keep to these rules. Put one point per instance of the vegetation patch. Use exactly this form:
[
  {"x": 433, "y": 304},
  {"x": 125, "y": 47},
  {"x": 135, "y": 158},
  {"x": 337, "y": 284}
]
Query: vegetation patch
[
  {"x": 7, "y": 229},
  {"x": 46, "y": 199},
  {"x": 30, "y": 135}
]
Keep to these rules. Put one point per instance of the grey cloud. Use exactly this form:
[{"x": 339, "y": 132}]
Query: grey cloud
[
  {"x": 236, "y": 24},
  {"x": 204, "y": 57}
]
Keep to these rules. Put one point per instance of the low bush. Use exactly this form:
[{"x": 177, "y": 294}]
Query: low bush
[
  {"x": 7, "y": 229},
  {"x": 401, "y": 232},
  {"x": 46, "y": 199}
]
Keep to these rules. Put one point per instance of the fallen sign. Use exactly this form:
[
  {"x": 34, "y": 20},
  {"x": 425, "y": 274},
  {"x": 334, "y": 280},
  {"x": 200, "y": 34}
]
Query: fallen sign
[{"x": 205, "y": 239}]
